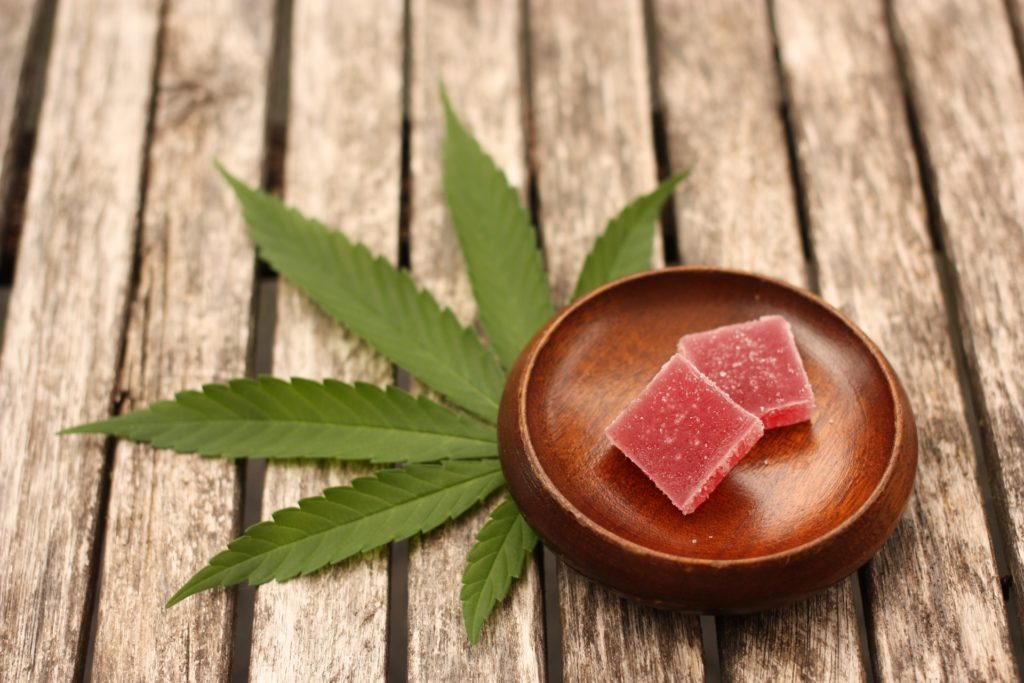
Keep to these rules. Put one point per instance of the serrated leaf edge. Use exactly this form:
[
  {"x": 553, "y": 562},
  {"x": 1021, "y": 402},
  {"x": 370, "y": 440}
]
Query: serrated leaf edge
[
  {"x": 211, "y": 575},
  {"x": 630, "y": 214},
  {"x": 475, "y": 614}
]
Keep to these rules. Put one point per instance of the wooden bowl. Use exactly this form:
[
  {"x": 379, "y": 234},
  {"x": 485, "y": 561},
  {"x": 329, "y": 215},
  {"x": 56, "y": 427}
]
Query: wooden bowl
[{"x": 806, "y": 507}]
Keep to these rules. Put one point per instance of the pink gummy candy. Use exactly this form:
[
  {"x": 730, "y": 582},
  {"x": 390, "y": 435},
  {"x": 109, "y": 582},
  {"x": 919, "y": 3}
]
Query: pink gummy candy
[
  {"x": 684, "y": 433},
  {"x": 757, "y": 364}
]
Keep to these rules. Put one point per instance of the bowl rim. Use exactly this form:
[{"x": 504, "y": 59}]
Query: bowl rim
[{"x": 892, "y": 381}]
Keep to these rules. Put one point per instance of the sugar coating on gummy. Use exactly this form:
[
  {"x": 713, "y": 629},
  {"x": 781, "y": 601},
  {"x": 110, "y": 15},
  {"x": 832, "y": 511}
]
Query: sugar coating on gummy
[
  {"x": 757, "y": 364},
  {"x": 684, "y": 433}
]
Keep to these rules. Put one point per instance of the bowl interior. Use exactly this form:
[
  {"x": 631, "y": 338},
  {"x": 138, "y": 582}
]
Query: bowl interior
[{"x": 798, "y": 482}]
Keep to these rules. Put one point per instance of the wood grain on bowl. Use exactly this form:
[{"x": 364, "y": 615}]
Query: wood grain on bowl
[{"x": 805, "y": 508}]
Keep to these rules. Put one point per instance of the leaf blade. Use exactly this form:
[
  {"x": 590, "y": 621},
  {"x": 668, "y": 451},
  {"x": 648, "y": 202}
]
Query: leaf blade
[
  {"x": 272, "y": 418},
  {"x": 344, "y": 521},
  {"x": 375, "y": 300},
  {"x": 497, "y": 558},
  {"x": 625, "y": 245},
  {"x": 498, "y": 241}
]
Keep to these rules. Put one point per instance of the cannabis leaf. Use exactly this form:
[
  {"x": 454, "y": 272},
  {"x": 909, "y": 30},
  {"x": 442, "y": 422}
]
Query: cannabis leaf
[
  {"x": 625, "y": 246},
  {"x": 498, "y": 243},
  {"x": 271, "y": 418},
  {"x": 375, "y": 300},
  {"x": 391, "y": 505},
  {"x": 497, "y": 558}
]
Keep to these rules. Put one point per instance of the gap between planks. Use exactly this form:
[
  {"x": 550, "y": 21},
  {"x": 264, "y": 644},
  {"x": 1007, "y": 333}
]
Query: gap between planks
[
  {"x": 1013, "y": 13},
  {"x": 544, "y": 557},
  {"x": 252, "y": 472},
  {"x": 397, "y": 654},
  {"x": 15, "y": 176},
  {"x": 26, "y": 103},
  {"x": 662, "y": 157},
  {"x": 796, "y": 180},
  {"x": 5, "y": 295}
]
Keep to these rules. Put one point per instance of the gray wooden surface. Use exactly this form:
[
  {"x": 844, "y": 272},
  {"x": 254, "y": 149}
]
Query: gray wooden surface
[{"x": 872, "y": 151}]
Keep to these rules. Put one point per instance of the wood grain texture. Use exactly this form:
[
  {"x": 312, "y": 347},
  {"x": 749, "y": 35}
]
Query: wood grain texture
[
  {"x": 474, "y": 47},
  {"x": 933, "y": 592},
  {"x": 737, "y": 209},
  {"x": 594, "y": 152},
  {"x": 189, "y": 324},
  {"x": 15, "y": 33},
  {"x": 64, "y": 327},
  {"x": 591, "y": 106},
  {"x": 813, "y": 640},
  {"x": 343, "y": 166},
  {"x": 972, "y": 121}
]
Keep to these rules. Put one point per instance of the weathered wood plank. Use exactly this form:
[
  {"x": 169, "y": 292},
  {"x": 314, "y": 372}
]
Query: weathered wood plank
[
  {"x": 64, "y": 325},
  {"x": 737, "y": 207},
  {"x": 814, "y": 640},
  {"x": 475, "y": 48},
  {"x": 933, "y": 592},
  {"x": 595, "y": 151},
  {"x": 592, "y": 120},
  {"x": 343, "y": 166},
  {"x": 15, "y": 32},
  {"x": 968, "y": 95},
  {"x": 738, "y": 210},
  {"x": 189, "y": 324}
]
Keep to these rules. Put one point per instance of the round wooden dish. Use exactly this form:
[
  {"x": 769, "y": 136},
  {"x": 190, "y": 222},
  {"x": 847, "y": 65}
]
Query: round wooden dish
[{"x": 805, "y": 508}]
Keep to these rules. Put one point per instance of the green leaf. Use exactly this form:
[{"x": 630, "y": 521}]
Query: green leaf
[
  {"x": 625, "y": 246},
  {"x": 498, "y": 242},
  {"x": 497, "y": 558},
  {"x": 375, "y": 300},
  {"x": 271, "y": 418},
  {"x": 344, "y": 521}
]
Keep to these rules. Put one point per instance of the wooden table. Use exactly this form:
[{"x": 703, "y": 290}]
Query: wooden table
[{"x": 872, "y": 153}]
